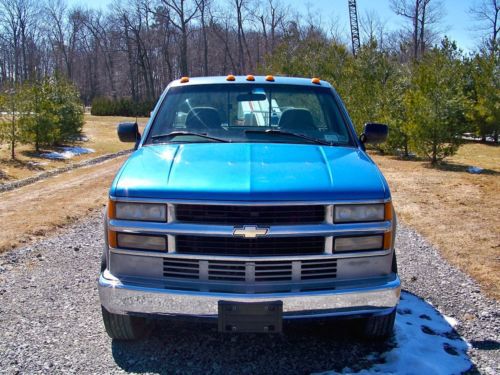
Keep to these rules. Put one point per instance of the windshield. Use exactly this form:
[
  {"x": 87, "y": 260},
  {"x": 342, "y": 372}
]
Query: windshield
[{"x": 249, "y": 113}]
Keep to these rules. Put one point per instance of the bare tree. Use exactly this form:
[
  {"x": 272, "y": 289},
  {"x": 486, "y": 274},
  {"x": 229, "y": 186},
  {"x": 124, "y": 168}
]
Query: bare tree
[
  {"x": 423, "y": 15},
  {"x": 63, "y": 27},
  {"x": 239, "y": 4},
  {"x": 271, "y": 15},
  {"x": 373, "y": 28},
  {"x": 19, "y": 20},
  {"x": 183, "y": 12},
  {"x": 486, "y": 13}
]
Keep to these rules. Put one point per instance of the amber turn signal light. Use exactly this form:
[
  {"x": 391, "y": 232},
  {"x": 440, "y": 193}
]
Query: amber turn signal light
[
  {"x": 387, "y": 240},
  {"x": 112, "y": 239},
  {"x": 388, "y": 211},
  {"x": 111, "y": 209}
]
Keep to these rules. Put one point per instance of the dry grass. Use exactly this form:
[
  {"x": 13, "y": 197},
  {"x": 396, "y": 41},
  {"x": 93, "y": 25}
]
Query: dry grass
[
  {"x": 38, "y": 209},
  {"x": 101, "y": 134},
  {"x": 455, "y": 210},
  {"x": 101, "y": 131}
]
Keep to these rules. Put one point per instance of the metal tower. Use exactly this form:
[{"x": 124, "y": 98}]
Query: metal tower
[{"x": 353, "y": 17}]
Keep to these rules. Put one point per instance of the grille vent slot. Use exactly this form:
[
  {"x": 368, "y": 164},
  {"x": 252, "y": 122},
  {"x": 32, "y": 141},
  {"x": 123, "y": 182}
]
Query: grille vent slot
[
  {"x": 228, "y": 271},
  {"x": 273, "y": 271},
  {"x": 181, "y": 268},
  {"x": 256, "y": 271},
  {"x": 313, "y": 269}
]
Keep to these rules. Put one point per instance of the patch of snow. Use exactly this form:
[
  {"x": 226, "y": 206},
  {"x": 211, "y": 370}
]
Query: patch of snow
[
  {"x": 37, "y": 163},
  {"x": 426, "y": 343},
  {"x": 67, "y": 153},
  {"x": 474, "y": 170},
  {"x": 451, "y": 321}
]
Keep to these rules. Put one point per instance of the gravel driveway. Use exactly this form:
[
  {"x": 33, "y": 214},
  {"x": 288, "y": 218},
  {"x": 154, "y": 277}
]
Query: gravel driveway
[{"x": 50, "y": 321}]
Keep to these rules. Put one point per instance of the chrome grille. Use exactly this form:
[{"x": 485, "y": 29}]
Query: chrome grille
[
  {"x": 251, "y": 247},
  {"x": 256, "y": 271},
  {"x": 252, "y": 215}
]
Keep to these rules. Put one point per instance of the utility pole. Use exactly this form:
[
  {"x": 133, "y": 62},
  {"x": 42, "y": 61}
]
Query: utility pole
[{"x": 353, "y": 17}]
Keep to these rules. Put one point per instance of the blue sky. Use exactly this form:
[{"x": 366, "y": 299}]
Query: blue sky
[{"x": 457, "y": 23}]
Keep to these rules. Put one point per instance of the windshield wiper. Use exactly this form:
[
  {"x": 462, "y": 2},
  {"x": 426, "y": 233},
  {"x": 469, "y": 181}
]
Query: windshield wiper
[
  {"x": 177, "y": 133},
  {"x": 283, "y": 132}
]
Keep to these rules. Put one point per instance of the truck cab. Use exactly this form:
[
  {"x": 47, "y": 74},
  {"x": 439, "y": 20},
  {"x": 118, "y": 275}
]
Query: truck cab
[{"x": 248, "y": 201}]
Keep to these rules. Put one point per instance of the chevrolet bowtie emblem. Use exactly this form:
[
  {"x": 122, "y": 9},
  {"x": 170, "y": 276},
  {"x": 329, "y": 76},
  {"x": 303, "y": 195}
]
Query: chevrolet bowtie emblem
[{"x": 250, "y": 232}]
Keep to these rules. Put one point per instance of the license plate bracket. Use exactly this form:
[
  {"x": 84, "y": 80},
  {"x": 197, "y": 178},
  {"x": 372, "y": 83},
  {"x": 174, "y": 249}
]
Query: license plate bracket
[{"x": 256, "y": 317}]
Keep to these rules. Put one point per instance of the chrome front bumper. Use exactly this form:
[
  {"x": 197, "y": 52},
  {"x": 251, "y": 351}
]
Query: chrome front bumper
[{"x": 374, "y": 298}]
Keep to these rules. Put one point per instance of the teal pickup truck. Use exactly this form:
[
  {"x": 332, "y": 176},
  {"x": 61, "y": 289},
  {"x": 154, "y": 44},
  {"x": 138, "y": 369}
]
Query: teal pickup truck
[{"x": 248, "y": 201}]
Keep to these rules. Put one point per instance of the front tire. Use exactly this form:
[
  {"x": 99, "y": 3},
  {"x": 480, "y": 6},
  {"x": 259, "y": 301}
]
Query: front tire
[
  {"x": 379, "y": 327},
  {"x": 125, "y": 327}
]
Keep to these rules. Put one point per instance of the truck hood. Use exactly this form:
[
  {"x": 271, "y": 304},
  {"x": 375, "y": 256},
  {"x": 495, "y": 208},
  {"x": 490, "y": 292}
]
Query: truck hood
[{"x": 250, "y": 172}]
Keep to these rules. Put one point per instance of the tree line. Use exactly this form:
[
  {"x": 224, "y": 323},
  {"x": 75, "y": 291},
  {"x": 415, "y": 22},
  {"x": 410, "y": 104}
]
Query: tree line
[
  {"x": 135, "y": 47},
  {"x": 413, "y": 78}
]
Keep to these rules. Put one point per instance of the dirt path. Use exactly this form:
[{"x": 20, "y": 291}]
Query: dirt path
[{"x": 37, "y": 209}]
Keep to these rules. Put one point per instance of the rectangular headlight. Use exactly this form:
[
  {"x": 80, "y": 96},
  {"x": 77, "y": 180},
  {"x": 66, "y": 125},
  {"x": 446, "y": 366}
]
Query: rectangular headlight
[
  {"x": 141, "y": 211},
  {"x": 348, "y": 213},
  {"x": 141, "y": 242},
  {"x": 359, "y": 243}
]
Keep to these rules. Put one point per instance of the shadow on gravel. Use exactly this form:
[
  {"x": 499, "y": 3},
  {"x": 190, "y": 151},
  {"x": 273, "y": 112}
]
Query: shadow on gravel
[
  {"x": 485, "y": 344},
  {"x": 423, "y": 340}
]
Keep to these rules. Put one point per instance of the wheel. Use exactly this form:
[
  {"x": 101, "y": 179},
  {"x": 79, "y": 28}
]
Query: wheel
[
  {"x": 125, "y": 327},
  {"x": 379, "y": 327}
]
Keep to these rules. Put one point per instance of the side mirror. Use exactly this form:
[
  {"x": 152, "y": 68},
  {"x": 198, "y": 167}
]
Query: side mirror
[
  {"x": 128, "y": 132},
  {"x": 374, "y": 133}
]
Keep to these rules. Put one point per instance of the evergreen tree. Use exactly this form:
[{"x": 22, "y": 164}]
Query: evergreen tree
[
  {"x": 51, "y": 112},
  {"x": 436, "y": 103},
  {"x": 484, "y": 80}
]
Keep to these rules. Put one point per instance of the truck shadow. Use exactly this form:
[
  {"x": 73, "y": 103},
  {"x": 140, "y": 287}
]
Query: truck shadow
[{"x": 422, "y": 337}]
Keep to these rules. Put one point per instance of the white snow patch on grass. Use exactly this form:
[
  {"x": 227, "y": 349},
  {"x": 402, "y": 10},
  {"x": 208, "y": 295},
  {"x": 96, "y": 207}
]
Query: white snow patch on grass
[
  {"x": 67, "y": 153},
  {"x": 425, "y": 343}
]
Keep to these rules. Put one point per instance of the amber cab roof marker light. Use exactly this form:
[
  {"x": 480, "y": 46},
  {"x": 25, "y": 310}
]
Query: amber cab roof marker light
[
  {"x": 270, "y": 78},
  {"x": 250, "y": 77},
  {"x": 316, "y": 81},
  {"x": 230, "y": 77},
  {"x": 184, "y": 79}
]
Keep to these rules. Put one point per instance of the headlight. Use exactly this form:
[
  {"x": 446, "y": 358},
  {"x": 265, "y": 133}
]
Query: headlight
[
  {"x": 140, "y": 211},
  {"x": 141, "y": 242},
  {"x": 348, "y": 213},
  {"x": 359, "y": 243}
]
